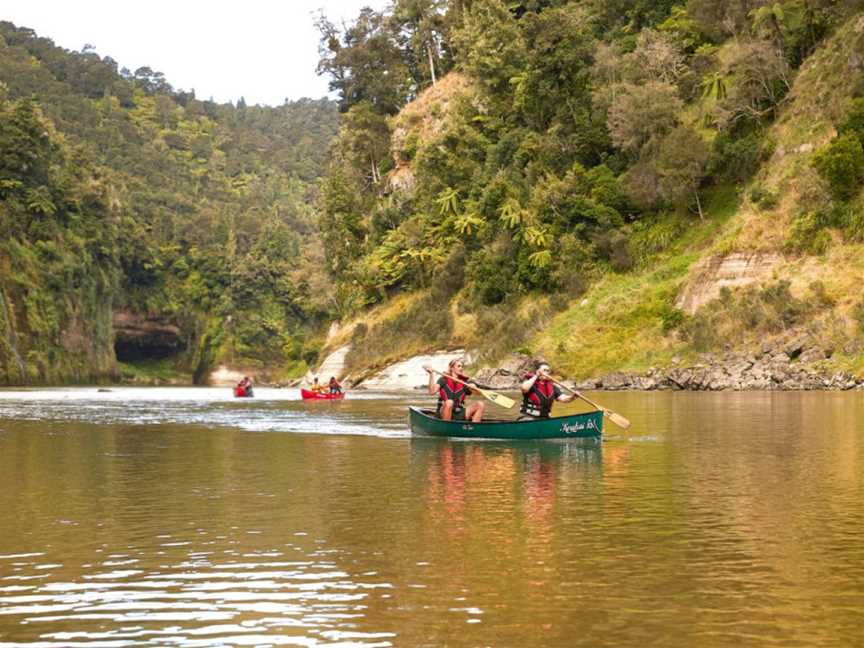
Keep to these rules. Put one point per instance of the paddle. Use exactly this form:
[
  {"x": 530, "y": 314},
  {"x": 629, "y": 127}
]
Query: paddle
[
  {"x": 617, "y": 419},
  {"x": 495, "y": 397}
]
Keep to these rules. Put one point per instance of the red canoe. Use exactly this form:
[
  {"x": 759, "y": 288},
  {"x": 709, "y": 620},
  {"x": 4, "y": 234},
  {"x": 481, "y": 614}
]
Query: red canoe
[
  {"x": 241, "y": 392},
  {"x": 311, "y": 395}
]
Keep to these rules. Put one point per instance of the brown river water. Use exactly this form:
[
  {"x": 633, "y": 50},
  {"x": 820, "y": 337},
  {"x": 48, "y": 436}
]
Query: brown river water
[{"x": 182, "y": 517}]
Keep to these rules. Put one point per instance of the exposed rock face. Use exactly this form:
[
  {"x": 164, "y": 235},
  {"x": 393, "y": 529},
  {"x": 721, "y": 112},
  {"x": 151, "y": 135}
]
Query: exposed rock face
[
  {"x": 409, "y": 374},
  {"x": 781, "y": 365},
  {"x": 138, "y": 337},
  {"x": 712, "y": 274},
  {"x": 794, "y": 362},
  {"x": 225, "y": 376},
  {"x": 776, "y": 376},
  {"x": 402, "y": 180},
  {"x": 422, "y": 119},
  {"x": 336, "y": 328},
  {"x": 509, "y": 374},
  {"x": 333, "y": 365}
]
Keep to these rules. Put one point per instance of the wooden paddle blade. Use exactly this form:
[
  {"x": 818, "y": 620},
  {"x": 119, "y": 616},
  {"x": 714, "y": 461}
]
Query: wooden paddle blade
[
  {"x": 618, "y": 420},
  {"x": 498, "y": 399}
]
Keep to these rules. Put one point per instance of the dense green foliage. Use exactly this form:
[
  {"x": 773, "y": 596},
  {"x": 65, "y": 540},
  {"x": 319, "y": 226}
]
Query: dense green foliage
[
  {"x": 479, "y": 151},
  {"x": 118, "y": 192},
  {"x": 58, "y": 252},
  {"x": 840, "y": 166},
  {"x": 583, "y": 125}
]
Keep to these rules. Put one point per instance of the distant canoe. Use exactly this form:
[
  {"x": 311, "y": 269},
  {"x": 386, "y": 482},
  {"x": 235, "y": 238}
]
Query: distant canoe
[
  {"x": 241, "y": 392},
  {"x": 577, "y": 426},
  {"x": 311, "y": 395}
]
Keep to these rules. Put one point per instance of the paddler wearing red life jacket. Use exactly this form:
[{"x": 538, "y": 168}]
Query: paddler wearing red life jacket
[
  {"x": 539, "y": 393},
  {"x": 244, "y": 387},
  {"x": 452, "y": 394}
]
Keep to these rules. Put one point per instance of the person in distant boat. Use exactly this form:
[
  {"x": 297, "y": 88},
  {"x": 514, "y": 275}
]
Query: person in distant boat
[
  {"x": 539, "y": 392},
  {"x": 452, "y": 394},
  {"x": 335, "y": 387},
  {"x": 245, "y": 386},
  {"x": 317, "y": 387}
]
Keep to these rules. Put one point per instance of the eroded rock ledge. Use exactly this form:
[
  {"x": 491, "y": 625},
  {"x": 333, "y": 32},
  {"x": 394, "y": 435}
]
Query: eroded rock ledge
[
  {"x": 795, "y": 364},
  {"x": 747, "y": 374},
  {"x": 794, "y": 361}
]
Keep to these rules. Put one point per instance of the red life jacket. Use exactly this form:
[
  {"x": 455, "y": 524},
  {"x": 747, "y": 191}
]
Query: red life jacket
[
  {"x": 451, "y": 390},
  {"x": 538, "y": 400}
]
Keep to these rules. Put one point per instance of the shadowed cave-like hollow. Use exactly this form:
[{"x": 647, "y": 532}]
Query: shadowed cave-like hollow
[{"x": 139, "y": 337}]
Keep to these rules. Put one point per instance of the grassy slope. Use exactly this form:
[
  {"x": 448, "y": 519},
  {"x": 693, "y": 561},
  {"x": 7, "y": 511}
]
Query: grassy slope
[{"x": 618, "y": 324}]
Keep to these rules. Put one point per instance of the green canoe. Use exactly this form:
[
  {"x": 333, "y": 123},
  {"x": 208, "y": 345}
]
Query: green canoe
[{"x": 577, "y": 426}]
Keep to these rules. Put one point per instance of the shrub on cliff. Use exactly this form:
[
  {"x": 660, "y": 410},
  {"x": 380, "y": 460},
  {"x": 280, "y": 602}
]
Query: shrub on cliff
[
  {"x": 807, "y": 235},
  {"x": 858, "y": 314},
  {"x": 854, "y": 122},
  {"x": 841, "y": 166},
  {"x": 755, "y": 311}
]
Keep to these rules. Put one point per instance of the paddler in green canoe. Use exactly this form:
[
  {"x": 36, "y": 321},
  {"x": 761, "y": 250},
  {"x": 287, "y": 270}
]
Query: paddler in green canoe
[
  {"x": 539, "y": 392},
  {"x": 452, "y": 389}
]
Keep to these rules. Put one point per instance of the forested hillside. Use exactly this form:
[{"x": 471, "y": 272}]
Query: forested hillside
[
  {"x": 553, "y": 176},
  {"x": 612, "y": 185},
  {"x": 128, "y": 209}
]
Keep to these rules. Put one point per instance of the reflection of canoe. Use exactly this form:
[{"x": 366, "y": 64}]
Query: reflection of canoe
[
  {"x": 243, "y": 392},
  {"x": 311, "y": 395},
  {"x": 576, "y": 426},
  {"x": 587, "y": 452}
]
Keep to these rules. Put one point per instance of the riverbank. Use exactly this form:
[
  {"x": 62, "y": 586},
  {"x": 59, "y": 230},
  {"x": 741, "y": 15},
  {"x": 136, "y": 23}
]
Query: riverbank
[
  {"x": 793, "y": 364},
  {"x": 789, "y": 367},
  {"x": 737, "y": 372}
]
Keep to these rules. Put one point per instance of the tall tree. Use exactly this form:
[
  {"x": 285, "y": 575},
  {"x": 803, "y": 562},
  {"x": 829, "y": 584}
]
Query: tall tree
[
  {"x": 365, "y": 140},
  {"x": 364, "y": 62},
  {"x": 681, "y": 165},
  {"x": 640, "y": 114},
  {"x": 492, "y": 48},
  {"x": 419, "y": 29}
]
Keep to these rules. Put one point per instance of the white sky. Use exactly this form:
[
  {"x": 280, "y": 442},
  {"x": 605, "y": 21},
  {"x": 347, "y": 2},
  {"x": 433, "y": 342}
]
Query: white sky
[{"x": 265, "y": 51}]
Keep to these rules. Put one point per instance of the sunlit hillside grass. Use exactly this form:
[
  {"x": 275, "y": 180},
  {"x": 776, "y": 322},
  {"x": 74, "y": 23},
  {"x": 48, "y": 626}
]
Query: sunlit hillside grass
[{"x": 619, "y": 323}]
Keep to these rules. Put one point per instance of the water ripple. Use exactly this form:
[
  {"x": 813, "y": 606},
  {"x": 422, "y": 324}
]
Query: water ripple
[
  {"x": 272, "y": 410},
  {"x": 223, "y": 604},
  {"x": 716, "y": 520}
]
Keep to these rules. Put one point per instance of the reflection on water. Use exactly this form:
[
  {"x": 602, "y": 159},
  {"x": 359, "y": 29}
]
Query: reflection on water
[
  {"x": 459, "y": 472},
  {"x": 183, "y": 518}
]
